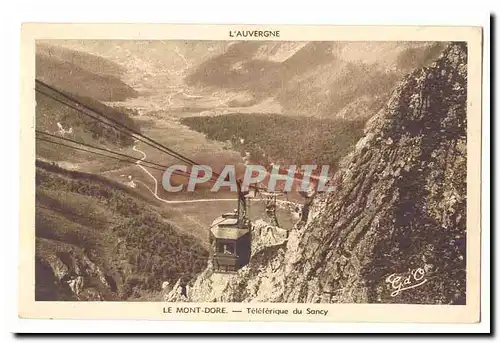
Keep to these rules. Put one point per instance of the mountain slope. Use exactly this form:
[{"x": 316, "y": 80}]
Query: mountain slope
[
  {"x": 99, "y": 240},
  {"x": 400, "y": 205},
  {"x": 145, "y": 65},
  {"x": 274, "y": 137},
  {"x": 330, "y": 79},
  {"x": 81, "y": 73},
  {"x": 55, "y": 118},
  {"x": 91, "y": 80}
]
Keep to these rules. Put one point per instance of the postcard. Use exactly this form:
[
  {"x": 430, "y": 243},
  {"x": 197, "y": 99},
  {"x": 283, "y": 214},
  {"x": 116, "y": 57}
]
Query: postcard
[{"x": 250, "y": 172}]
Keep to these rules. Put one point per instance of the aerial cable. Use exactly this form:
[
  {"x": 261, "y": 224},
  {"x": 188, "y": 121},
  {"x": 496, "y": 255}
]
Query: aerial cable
[
  {"x": 132, "y": 160},
  {"x": 121, "y": 127},
  {"x": 98, "y": 148},
  {"x": 117, "y": 125}
]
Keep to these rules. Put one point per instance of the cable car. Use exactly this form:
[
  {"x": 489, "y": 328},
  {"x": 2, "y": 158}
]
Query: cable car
[
  {"x": 230, "y": 238},
  {"x": 230, "y": 242}
]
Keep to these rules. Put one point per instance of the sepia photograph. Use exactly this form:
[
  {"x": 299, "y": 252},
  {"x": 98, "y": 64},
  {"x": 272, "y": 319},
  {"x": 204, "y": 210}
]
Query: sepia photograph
[{"x": 251, "y": 171}]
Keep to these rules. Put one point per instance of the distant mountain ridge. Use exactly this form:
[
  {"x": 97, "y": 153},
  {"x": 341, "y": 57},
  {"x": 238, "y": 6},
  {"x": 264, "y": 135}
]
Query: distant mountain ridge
[
  {"x": 81, "y": 73},
  {"x": 347, "y": 80},
  {"x": 326, "y": 79}
]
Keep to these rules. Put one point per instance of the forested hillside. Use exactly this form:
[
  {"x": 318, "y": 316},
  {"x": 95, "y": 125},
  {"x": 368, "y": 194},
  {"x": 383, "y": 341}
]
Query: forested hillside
[
  {"x": 282, "y": 139},
  {"x": 100, "y": 240},
  {"x": 81, "y": 73}
]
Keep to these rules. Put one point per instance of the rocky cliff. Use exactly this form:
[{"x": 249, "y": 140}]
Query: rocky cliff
[
  {"x": 65, "y": 272},
  {"x": 399, "y": 206}
]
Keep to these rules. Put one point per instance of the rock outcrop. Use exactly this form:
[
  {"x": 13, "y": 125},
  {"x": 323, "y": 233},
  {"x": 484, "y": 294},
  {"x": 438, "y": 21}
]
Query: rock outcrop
[
  {"x": 213, "y": 287},
  {"x": 399, "y": 205},
  {"x": 67, "y": 273}
]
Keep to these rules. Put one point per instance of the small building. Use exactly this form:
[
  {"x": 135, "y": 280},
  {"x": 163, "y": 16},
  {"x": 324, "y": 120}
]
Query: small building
[{"x": 230, "y": 238}]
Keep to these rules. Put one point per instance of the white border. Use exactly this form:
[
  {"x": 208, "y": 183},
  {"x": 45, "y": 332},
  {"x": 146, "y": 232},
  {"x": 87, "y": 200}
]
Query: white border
[{"x": 427, "y": 13}]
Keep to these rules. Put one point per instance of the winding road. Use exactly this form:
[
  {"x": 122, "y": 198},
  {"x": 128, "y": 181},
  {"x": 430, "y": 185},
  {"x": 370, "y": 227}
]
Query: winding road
[
  {"x": 155, "y": 192},
  {"x": 173, "y": 202},
  {"x": 181, "y": 90}
]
